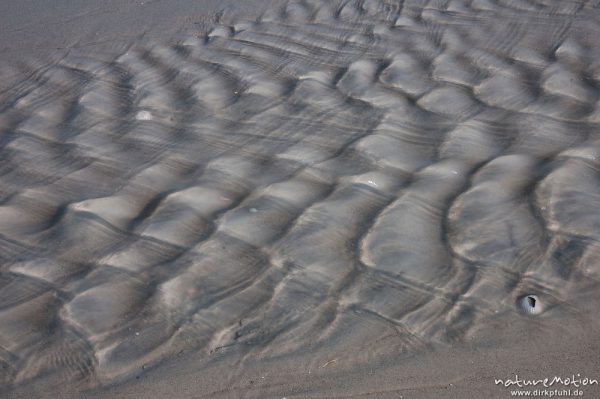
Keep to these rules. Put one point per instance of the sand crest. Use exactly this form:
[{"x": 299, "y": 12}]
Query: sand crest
[{"x": 338, "y": 188}]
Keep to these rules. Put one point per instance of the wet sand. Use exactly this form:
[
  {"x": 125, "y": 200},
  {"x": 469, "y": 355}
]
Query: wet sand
[{"x": 298, "y": 199}]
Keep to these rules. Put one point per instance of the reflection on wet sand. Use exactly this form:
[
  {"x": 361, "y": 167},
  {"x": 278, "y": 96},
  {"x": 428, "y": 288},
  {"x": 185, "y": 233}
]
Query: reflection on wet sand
[{"x": 317, "y": 177}]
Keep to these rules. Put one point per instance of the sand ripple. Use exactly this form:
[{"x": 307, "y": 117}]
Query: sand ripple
[{"x": 322, "y": 175}]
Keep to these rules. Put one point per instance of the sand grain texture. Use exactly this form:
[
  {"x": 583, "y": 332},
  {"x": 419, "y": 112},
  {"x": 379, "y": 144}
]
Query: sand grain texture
[{"x": 338, "y": 188}]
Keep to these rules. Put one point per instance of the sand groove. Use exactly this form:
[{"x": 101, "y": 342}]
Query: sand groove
[{"x": 322, "y": 175}]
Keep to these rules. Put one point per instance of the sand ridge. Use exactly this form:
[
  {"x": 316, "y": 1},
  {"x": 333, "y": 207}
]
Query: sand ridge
[{"x": 318, "y": 177}]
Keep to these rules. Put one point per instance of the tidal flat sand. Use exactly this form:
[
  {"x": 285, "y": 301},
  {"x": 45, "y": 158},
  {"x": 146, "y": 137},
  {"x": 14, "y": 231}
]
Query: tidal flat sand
[{"x": 299, "y": 199}]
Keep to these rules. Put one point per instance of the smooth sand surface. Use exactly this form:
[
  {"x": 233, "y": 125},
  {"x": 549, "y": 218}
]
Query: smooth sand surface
[{"x": 305, "y": 199}]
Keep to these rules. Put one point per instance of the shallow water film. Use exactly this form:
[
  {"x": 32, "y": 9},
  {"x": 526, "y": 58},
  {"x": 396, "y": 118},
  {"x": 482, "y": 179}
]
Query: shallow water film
[{"x": 327, "y": 182}]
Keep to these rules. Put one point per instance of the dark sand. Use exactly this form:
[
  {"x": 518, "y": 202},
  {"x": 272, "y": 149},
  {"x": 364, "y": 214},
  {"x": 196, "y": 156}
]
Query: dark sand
[{"x": 298, "y": 199}]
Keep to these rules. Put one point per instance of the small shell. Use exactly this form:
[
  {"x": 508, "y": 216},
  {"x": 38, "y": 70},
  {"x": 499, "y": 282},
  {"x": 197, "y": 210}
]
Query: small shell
[
  {"x": 143, "y": 116},
  {"x": 530, "y": 304}
]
